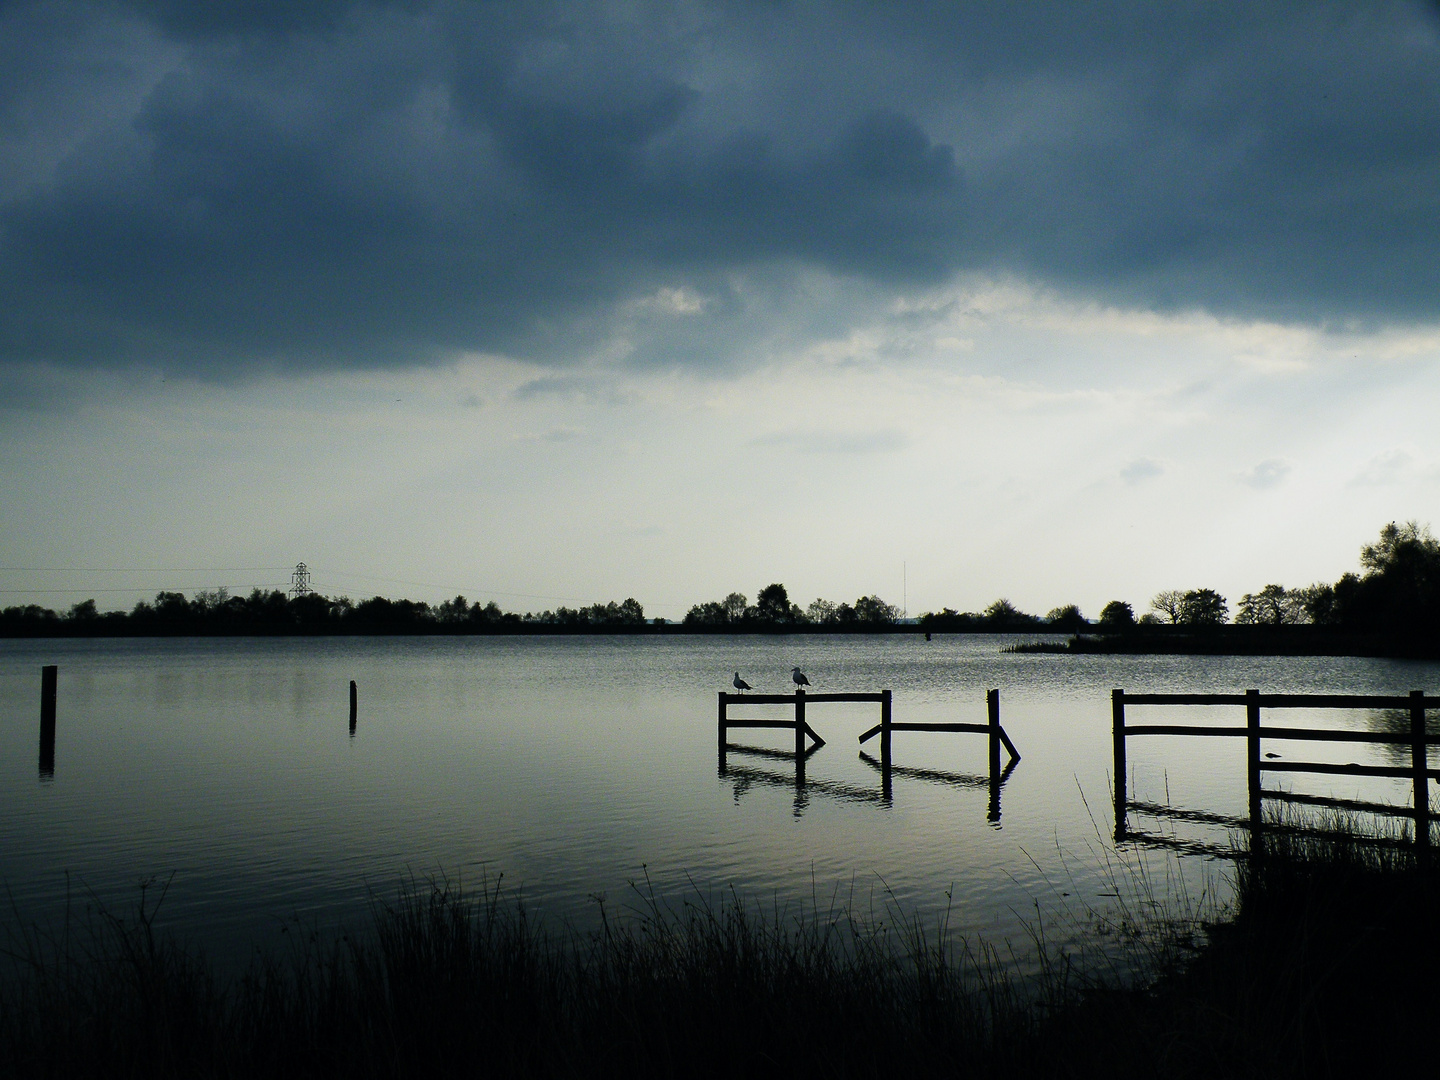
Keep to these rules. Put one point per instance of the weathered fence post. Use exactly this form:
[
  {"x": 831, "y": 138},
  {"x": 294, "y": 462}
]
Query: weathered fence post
[
  {"x": 354, "y": 705},
  {"x": 885, "y": 728},
  {"x": 1117, "y": 732},
  {"x": 1252, "y": 759},
  {"x": 992, "y": 704},
  {"x": 723, "y": 730},
  {"x": 1419, "y": 764},
  {"x": 799, "y": 723},
  {"x": 49, "y": 676}
]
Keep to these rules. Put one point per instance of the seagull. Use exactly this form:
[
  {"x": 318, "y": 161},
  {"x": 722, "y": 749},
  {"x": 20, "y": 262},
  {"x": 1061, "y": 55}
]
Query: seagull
[
  {"x": 798, "y": 677},
  {"x": 739, "y": 683}
]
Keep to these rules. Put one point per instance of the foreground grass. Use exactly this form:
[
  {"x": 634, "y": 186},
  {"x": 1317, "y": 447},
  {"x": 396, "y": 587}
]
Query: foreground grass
[
  {"x": 1328, "y": 968},
  {"x": 1324, "y": 970},
  {"x": 449, "y": 985}
]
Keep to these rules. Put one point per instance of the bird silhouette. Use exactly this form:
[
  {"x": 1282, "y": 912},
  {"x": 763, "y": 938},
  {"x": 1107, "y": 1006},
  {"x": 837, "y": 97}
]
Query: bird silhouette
[
  {"x": 739, "y": 683},
  {"x": 798, "y": 677}
]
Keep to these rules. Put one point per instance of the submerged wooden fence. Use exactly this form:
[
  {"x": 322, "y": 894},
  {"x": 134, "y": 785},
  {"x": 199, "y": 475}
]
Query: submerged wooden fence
[
  {"x": 1416, "y": 739},
  {"x": 885, "y": 730}
]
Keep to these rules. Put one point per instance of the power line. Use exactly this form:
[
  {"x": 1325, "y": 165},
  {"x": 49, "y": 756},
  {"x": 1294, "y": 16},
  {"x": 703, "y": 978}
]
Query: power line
[
  {"x": 138, "y": 569},
  {"x": 137, "y": 588}
]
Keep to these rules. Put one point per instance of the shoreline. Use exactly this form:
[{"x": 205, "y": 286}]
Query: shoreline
[{"x": 1149, "y": 641}]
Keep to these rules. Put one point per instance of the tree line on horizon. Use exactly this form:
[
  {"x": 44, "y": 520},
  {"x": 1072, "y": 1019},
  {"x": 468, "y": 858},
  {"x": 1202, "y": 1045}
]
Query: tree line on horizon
[
  {"x": 274, "y": 612},
  {"x": 1397, "y": 592},
  {"x": 773, "y": 608}
]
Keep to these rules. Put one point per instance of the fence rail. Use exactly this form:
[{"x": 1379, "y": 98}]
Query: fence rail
[
  {"x": 799, "y": 700},
  {"x": 1415, "y": 704}
]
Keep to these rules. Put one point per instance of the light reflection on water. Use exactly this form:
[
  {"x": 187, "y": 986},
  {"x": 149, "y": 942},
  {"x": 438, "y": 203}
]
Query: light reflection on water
[{"x": 569, "y": 764}]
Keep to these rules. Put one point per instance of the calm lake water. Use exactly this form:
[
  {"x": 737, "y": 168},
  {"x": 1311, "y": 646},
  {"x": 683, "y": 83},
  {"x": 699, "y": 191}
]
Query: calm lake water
[{"x": 575, "y": 766}]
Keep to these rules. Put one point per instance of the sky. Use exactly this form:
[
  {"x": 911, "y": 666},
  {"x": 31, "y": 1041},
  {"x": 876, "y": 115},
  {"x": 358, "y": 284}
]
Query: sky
[{"x": 563, "y": 303}]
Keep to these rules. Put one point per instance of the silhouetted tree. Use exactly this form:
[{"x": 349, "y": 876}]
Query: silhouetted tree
[
  {"x": 709, "y": 613},
  {"x": 1117, "y": 614},
  {"x": 1399, "y": 544},
  {"x": 873, "y": 610},
  {"x": 1167, "y": 603},
  {"x": 1067, "y": 618},
  {"x": 1271, "y": 606},
  {"x": 1003, "y": 615},
  {"x": 1202, "y": 607},
  {"x": 821, "y": 611},
  {"x": 773, "y": 605},
  {"x": 453, "y": 611},
  {"x": 1317, "y": 602},
  {"x": 1400, "y": 590},
  {"x": 725, "y": 612}
]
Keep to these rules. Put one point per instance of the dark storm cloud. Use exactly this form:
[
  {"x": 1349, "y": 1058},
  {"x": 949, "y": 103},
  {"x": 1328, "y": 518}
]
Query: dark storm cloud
[{"x": 218, "y": 187}]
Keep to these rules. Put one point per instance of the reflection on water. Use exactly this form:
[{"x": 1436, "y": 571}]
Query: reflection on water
[
  {"x": 567, "y": 764},
  {"x": 743, "y": 777},
  {"x": 1397, "y": 722}
]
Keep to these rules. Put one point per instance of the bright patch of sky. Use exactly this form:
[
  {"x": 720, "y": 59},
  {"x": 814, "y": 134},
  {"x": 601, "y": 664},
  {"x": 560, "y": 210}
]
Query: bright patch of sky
[{"x": 982, "y": 440}]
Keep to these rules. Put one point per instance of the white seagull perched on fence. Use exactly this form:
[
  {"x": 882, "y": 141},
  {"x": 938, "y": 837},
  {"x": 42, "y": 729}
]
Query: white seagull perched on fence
[
  {"x": 798, "y": 677},
  {"x": 739, "y": 683}
]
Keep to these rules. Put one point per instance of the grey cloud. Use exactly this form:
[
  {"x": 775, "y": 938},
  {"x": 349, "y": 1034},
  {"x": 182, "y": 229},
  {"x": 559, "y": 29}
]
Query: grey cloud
[
  {"x": 571, "y": 388},
  {"x": 368, "y": 184},
  {"x": 1141, "y": 469},
  {"x": 1267, "y": 474},
  {"x": 840, "y": 442}
]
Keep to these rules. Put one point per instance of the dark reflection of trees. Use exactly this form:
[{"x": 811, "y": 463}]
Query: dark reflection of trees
[{"x": 1397, "y": 722}]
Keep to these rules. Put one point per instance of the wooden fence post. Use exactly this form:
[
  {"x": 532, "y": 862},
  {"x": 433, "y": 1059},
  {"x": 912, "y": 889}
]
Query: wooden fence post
[
  {"x": 49, "y": 676},
  {"x": 724, "y": 731},
  {"x": 1419, "y": 765},
  {"x": 1117, "y": 733},
  {"x": 799, "y": 723},
  {"x": 885, "y": 729},
  {"x": 354, "y": 705},
  {"x": 992, "y": 706},
  {"x": 1252, "y": 770}
]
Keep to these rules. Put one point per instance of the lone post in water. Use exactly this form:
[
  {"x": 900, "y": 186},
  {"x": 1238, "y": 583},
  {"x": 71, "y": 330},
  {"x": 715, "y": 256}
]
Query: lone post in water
[
  {"x": 354, "y": 705},
  {"x": 48, "y": 679}
]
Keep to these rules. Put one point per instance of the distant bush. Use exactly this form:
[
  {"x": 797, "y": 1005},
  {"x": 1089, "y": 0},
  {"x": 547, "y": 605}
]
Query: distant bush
[
  {"x": 1117, "y": 614},
  {"x": 1003, "y": 615},
  {"x": 1067, "y": 618}
]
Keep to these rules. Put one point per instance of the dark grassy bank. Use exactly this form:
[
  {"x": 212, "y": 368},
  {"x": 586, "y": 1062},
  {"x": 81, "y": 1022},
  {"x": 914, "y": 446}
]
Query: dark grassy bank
[{"x": 1327, "y": 969}]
